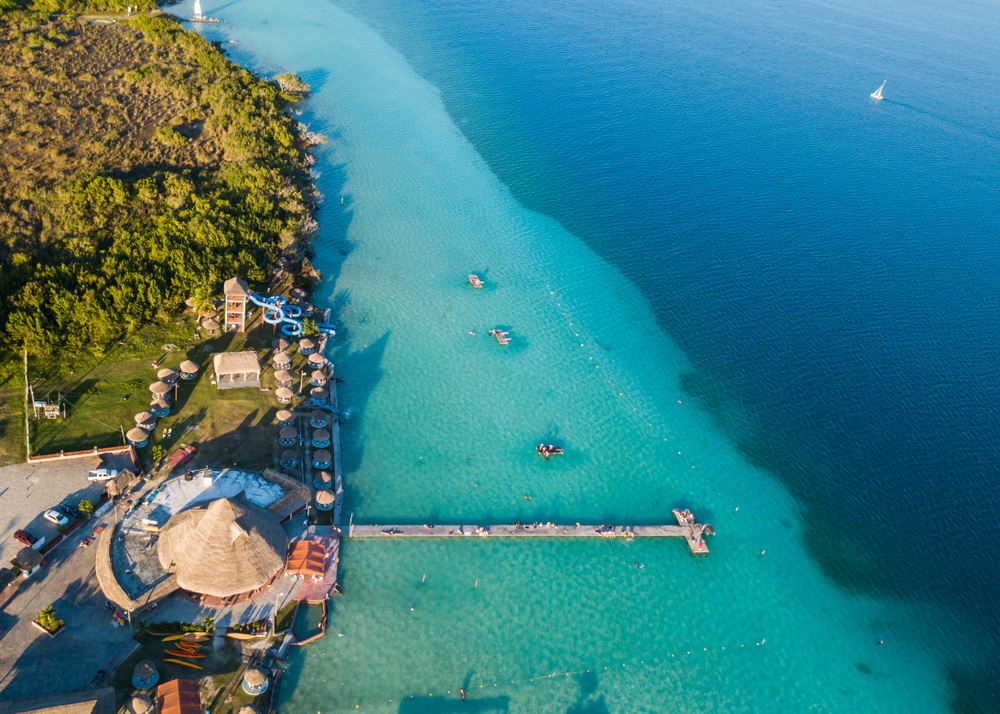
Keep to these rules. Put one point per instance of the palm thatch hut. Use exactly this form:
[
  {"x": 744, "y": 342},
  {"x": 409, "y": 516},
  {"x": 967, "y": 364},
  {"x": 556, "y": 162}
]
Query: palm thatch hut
[
  {"x": 289, "y": 459},
  {"x": 323, "y": 481},
  {"x": 281, "y": 344},
  {"x": 321, "y": 459},
  {"x": 254, "y": 681},
  {"x": 145, "y": 420},
  {"x": 288, "y": 436},
  {"x": 140, "y": 703},
  {"x": 211, "y": 326},
  {"x": 160, "y": 407},
  {"x": 160, "y": 388},
  {"x": 283, "y": 378},
  {"x": 316, "y": 361},
  {"x": 321, "y": 438},
  {"x": 306, "y": 346},
  {"x": 320, "y": 394},
  {"x": 318, "y": 419},
  {"x": 325, "y": 500},
  {"x": 317, "y": 378},
  {"x": 284, "y": 395},
  {"x": 225, "y": 548},
  {"x": 137, "y": 437},
  {"x": 249, "y": 709},
  {"x": 284, "y": 417},
  {"x": 167, "y": 375},
  {"x": 191, "y": 301},
  {"x": 235, "y": 370},
  {"x": 189, "y": 370},
  {"x": 145, "y": 676},
  {"x": 281, "y": 360}
]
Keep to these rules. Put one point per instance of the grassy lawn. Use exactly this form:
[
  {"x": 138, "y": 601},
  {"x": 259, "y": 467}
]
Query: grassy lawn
[{"x": 102, "y": 392}]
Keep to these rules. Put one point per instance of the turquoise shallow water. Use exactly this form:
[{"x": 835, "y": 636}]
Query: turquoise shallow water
[{"x": 443, "y": 425}]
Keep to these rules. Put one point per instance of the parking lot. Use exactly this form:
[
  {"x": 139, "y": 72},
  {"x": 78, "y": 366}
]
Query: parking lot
[{"x": 27, "y": 491}]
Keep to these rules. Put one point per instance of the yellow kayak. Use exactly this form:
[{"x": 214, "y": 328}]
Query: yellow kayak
[{"x": 177, "y": 661}]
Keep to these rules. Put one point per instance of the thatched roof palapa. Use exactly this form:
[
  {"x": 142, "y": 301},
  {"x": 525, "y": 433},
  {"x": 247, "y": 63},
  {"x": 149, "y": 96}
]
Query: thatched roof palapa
[
  {"x": 144, "y": 418},
  {"x": 306, "y": 344},
  {"x": 284, "y": 393},
  {"x": 249, "y": 709},
  {"x": 288, "y": 432},
  {"x": 288, "y": 456},
  {"x": 321, "y": 435},
  {"x": 210, "y": 325},
  {"x": 317, "y": 360},
  {"x": 236, "y": 287},
  {"x": 325, "y": 498},
  {"x": 282, "y": 358},
  {"x": 160, "y": 387},
  {"x": 319, "y": 393},
  {"x": 167, "y": 373},
  {"x": 297, "y": 293},
  {"x": 323, "y": 477},
  {"x": 318, "y": 375},
  {"x": 322, "y": 456},
  {"x": 189, "y": 367},
  {"x": 223, "y": 548},
  {"x": 281, "y": 344},
  {"x": 136, "y": 434},
  {"x": 283, "y": 376},
  {"x": 283, "y": 415}
]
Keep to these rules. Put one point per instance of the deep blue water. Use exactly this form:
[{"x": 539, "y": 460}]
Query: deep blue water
[{"x": 828, "y": 265}]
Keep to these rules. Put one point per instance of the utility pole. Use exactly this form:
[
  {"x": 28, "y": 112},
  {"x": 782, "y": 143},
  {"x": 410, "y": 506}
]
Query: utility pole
[{"x": 27, "y": 429}]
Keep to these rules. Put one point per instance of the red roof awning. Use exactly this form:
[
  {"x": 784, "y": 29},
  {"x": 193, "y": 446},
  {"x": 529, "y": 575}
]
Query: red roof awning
[{"x": 307, "y": 557}]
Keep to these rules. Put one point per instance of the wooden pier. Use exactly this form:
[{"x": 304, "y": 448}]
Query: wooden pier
[
  {"x": 474, "y": 281},
  {"x": 692, "y": 532},
  {"x": 502, "y": 337}
]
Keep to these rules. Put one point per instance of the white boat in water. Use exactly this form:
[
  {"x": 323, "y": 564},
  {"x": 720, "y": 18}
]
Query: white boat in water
[
  {"x": 197, "y": 16},
  {"x": 876, "y": 95}
]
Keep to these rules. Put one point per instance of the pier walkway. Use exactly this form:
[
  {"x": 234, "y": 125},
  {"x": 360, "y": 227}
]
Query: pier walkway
[{"x": 693, "y": 533}]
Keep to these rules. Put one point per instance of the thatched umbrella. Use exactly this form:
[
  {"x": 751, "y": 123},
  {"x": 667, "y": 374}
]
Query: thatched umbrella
[
  {"x": 191, "y": 301},
  {"x": 249, "y": 709},
  {"x": 282, "y": 360},
  {"x": 144, "y": 418},
  {"x": 316, "y": 361},
  {"x": 283, "y": 377},
  {"x": 189, "y": 367},
  {"x": 223, "y": 548},
  {"x": 321, "y": 438},
  {"x": 144, "y": 676},
  {"x": 137, "y": 437},
  {"x": 284, "y": 394},
  {"x": 281, "y": 344},
  {"x": 325, "y": 500},
  {"x": 211, "y": 314},
  {"x": 254, "y": 680},
  {"x": 318, "y": 419},
  {"x": 322, "y": 459},
  {"x": 167, "y": 375},
  {"x": 140, "y": 703},
  {"x": 160, "y": 407},
  {"x": 288, "y": 435},
  {"x": 306, "y": 346},
  {"x": 297, "y": 293},
  {"x": 160, "y": 388},
  {"x": 317, "y": 378},
  {"x": 284, "y": 417},
  {"x": 323, "y": 480},
  {"x": 289, "y": 458},
  {"x": 210, "y": 325},
  {"x": 319, "y": 393}
]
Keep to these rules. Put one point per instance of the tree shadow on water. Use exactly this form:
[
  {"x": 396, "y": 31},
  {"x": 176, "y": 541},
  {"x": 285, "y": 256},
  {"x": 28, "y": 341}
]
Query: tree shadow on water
[{"x": 587, "y": 702}]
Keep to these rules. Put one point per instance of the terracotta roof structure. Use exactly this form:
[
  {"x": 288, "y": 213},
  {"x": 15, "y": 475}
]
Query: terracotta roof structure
[
  {"x": 307, "y": 557},
  {"x": 179, "y": 696}
]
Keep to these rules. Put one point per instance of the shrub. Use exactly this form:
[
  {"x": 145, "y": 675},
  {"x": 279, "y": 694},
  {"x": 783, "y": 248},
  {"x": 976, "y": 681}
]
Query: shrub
[
  {"x": 85, "y": 507},
  {"x": 47, "y": 619}
]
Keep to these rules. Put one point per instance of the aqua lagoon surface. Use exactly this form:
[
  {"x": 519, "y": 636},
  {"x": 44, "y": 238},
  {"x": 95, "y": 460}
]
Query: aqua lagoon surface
[{"x": 732, "y": 282}]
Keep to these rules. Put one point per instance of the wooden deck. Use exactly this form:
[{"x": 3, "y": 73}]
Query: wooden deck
[
  {"x": 692, "y": 533},
  {"x": 502, "y": 337}
]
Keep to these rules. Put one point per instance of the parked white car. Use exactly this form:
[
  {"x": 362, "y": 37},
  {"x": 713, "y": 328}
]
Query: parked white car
[
  {"x": 102, "y": 474},
  {"x": 56, "y": 517}
]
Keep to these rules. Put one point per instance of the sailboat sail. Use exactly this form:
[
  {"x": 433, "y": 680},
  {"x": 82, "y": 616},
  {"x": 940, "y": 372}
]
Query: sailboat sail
[
  {"x": 197, "y": 8},
  {"x": 877, "y": 94}
]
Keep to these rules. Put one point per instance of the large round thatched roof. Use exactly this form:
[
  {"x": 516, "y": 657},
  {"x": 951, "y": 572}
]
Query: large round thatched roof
[
  {"x": 222, "y": 548},
  {"x": 306, "y": 344},
  {"x": 283, "y": 415},
  {"x": 317, "y": 360},
  {"x": 325, "y": 498},
  {"x": 159, "y": 388},
  {"x": 210, "y": 325},
  {"x": 284, "y": 393},
  {"x": 136, "y": 434},
  {"x": 282, "y": 375},
  {"x": 189, "y": 367},
  {"x": 254, "y": 676},
  {"x": 144, "y": 417},
  {"x": 167, "y": 374}
]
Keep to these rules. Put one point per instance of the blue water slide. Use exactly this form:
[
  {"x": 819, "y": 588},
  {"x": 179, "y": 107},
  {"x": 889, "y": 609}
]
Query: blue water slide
[{"x": 277, "y": 311}]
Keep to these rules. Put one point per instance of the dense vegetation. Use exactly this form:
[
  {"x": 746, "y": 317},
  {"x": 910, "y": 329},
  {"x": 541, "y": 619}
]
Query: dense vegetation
[{"x": 137, "y": 166}]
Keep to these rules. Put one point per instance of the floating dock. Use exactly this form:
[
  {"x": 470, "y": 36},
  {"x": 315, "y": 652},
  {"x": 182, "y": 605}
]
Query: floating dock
[
  {"x": 502, "y": 337},
  {"x": 474, "y": 281},
  {"x": 692, "y": 532}
]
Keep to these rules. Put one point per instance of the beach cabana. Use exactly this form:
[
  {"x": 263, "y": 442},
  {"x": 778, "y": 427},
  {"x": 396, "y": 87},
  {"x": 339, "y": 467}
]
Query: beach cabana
[
  {"x": 160, "y": 388},
  {"x": 160, "y": 407},
  {"x": 321, "y": 459},
  {"x": 210, "y": 325},
  {"x": 318, "y": 419},
  {"x": 137, "y": 437},
  {"x": 281, "y": 344},
  {"x": 283, "y": 378},
  {"x": 281, "y": 360},
  {"x": 306, "y": 346},
  {"x": 317, "y": 361},
  {"x": 254, "y": 681},
  {"x": 146, "y": 421},
  {"x": 306, "y": 558},
  {"x": 317, "y": 378},
  {"x": 321, "y": 438},
  {"x": 323, "y": 481},
  {"x": 189, "y": 369},
  {"x": 284, "y": 417},
  {"x": 235, "y": 370},
  {"x": 145, "y": 676},
  {"x": 320, "y": 394},
  {"x": 140, "y": 703},
  {"x": 226, "y": 548},
  {"x": 289, "y": 459},
  {"x": 28, "y": 560},
  {"x": 179, "y": 696},
  {"x": 284, "y": 395},
  {"x": 288, "y": 436},
  {"x": 325, "y": 500},
  {"x": 167, "y": 375}
]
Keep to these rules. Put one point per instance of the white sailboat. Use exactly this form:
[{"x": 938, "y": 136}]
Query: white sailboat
[
  {"x": 876, "y": 95},
  {"x": 197, "y": 16}
]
